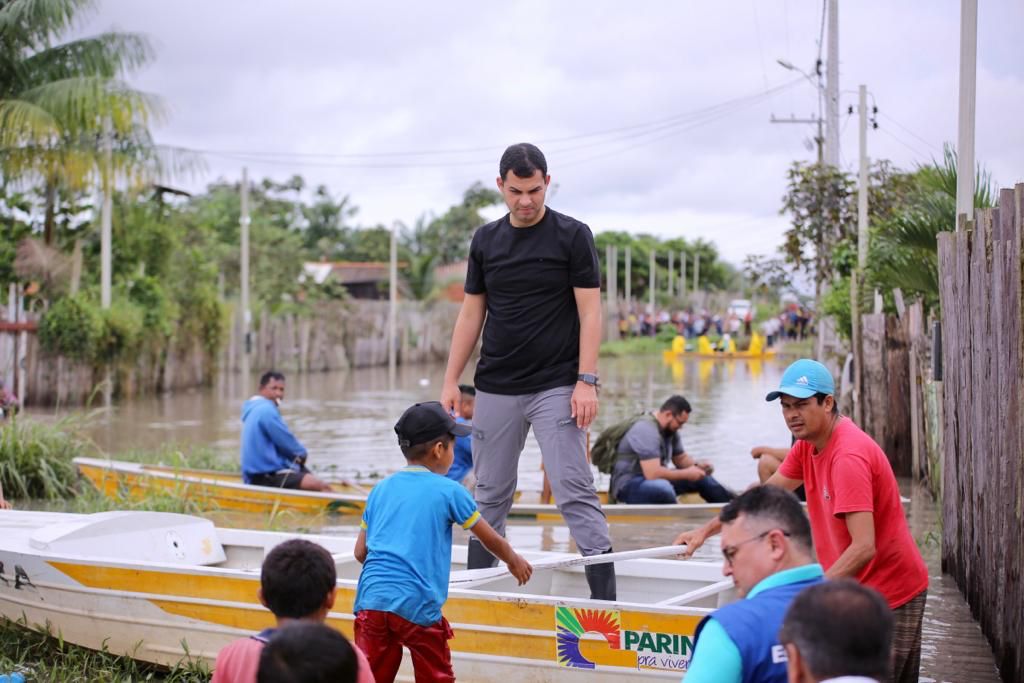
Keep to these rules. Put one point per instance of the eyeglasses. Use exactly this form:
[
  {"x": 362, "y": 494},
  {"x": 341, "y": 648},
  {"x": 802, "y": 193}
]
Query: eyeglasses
[{"x": 729, "y": 551}]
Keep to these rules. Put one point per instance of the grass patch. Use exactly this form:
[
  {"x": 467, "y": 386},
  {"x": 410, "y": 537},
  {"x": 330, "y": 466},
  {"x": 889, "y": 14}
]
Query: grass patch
[
  {"x": 634, "y": 346},
  {"x": 183, "y": 456},
  {"x": 40, "y": 656},
  {"x": 35, "y": 458}
]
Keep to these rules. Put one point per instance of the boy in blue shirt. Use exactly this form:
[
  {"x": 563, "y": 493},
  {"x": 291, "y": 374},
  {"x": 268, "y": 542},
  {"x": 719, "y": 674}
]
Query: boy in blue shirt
[
  {"x": 405, "y": 545},
  {"x": 462, "y": 466}
]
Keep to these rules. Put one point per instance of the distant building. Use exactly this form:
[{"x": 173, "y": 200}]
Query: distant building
[
  {"x": 362, "y": 279},
  {"x": 451, "y": 279}
]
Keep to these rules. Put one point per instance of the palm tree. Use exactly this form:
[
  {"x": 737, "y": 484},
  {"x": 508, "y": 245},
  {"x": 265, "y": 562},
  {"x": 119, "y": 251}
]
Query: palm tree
[
  {"x": 60, "y": 101},
  {"x": 905, "y": 248}
]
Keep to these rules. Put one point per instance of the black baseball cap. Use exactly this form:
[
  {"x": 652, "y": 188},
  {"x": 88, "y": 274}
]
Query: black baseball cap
[{"x": 425, "y": 421}]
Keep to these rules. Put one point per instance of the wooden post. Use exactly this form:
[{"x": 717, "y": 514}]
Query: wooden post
[
  {"x": 916, "y": 329},
  {"x": 858, "y": 353}
]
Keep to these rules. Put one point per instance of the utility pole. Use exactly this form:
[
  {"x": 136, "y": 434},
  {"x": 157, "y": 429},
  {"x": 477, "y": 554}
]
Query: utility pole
[
  {"x": 651, "y": 285},
  {"x": 862, "y": 258},
  {"x": 392, "y": 305},
  {"x": 629, "y": 277},
  {"x": 105, "y": 218},
  {"x": 682, "y": 274},
  {"x": 965, "y": 119},
  {"x": 670, "y": 280},
  {"x": 696, "y": 272},
  {"x": 818, "y": 140},
  {"x": 612, "y": 292},
  {"x": 832, "y": 87},
  {"x": 243, "y": 222}
]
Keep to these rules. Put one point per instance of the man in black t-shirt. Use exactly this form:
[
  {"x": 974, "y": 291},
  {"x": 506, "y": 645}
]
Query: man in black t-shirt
[{"x": 533, "y": 288}]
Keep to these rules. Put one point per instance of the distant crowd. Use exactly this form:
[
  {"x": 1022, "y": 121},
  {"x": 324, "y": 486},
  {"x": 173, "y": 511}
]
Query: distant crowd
[{"x": 793, "y": 323}]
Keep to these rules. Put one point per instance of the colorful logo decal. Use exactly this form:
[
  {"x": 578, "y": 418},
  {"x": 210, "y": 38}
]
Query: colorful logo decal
[
  {"x": 627, "y": 647},
  {"x": 571, "y": 624}
]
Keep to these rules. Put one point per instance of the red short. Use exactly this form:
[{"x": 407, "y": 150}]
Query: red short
[{"x": 381, "y": 635}]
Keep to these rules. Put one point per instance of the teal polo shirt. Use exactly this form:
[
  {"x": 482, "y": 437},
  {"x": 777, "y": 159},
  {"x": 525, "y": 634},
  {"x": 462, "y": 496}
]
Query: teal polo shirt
[{"x": 717, "y": 659}]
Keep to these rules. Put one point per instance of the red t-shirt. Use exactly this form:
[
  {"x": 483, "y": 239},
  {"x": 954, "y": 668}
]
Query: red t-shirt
[
  {"x": 852, "y": 474},
  {"x": 239, "y": 661}
]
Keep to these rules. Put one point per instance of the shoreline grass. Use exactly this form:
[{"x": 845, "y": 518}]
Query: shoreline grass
[{"x": 41, "y": 655}]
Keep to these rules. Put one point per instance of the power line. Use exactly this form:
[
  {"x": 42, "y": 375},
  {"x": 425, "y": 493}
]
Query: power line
[
  {"x": 913, "y": 149},
  {"x": 652, "y": 129},
  {"x": 910, "y": 132}
]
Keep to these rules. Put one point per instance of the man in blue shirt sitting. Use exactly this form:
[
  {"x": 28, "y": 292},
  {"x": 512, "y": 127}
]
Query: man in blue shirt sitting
[
  {"x": 271, "y": 455},
  {"x": 768, "y": 552}
]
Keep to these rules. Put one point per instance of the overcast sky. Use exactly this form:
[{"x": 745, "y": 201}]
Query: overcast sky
[{"x": 646, "y": 111}]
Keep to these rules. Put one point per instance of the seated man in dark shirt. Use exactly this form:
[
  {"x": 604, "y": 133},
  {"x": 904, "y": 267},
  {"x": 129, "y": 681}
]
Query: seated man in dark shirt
[{"x": 642, "y": 475}]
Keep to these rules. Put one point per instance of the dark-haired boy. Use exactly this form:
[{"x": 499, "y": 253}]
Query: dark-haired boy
[
  {"x": 405, "y": 546},
  {"x": 308, "y": 653},
  {"x": 298, "y": 582}
]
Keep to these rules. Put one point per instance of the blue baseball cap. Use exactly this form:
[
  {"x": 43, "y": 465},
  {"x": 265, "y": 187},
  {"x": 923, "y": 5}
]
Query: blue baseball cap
[{"x": 804, "y": 378}]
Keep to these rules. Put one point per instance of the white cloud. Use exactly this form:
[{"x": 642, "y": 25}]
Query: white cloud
[{"x": 359, "y": 78}]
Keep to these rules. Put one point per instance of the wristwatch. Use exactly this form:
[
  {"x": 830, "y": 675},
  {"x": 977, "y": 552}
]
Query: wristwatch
[{"x": 587, "y": 378}]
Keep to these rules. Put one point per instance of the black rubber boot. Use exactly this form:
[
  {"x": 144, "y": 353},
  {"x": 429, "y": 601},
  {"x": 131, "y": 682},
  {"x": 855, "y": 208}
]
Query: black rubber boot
[
  {"x": 601, "y": 579},
  {"x": 478, "y": 557}
]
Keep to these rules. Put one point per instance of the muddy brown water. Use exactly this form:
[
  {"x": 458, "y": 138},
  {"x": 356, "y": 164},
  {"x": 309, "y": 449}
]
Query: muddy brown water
[{"x": 345, "y": 420}]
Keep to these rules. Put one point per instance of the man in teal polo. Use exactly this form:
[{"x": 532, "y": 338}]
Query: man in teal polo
[{"x": 768, "y": 552}]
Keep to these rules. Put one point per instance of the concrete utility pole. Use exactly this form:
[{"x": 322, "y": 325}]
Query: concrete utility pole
[
  {"x": 243, "y": 222},
  {"x": 670, "y": 280},
  {"x": 832, "y": 87},
  {"x": 862, "y": 193},
  {"x": 629, "y": 277},
  {"x": 682, "y": 274},
  {"x": 392, "y": 304},
  {"x": 862, "y": 258},
  {"x": 968, "y": 95},
  {"x": 696, "y": 272},
  {"x": 652, "y": 284},
  {"x": 612, "y": 292},
  {"x": 105, "y": 218}
]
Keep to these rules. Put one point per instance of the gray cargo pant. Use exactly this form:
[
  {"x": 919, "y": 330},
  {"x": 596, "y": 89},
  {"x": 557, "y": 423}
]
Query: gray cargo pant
[{"x": 500, "y": 426}]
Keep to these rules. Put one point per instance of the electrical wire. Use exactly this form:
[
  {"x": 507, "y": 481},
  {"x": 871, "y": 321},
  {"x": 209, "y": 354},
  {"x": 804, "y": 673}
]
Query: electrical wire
[{"x": 910, "y": 132}]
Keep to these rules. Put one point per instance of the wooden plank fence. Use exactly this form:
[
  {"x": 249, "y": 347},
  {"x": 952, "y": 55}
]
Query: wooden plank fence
[{"x": 983, "y": 426}]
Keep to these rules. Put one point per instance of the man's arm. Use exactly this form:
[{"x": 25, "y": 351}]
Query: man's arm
[
  {"x": 584, "y": 396},
  {"x": 4, "y": 505},
  {"x": 861, "y": 550},
  {"x": 780, "y": 453},
  {"x": 499, "y": 547},
  {"x": 653, "y": 469},
  {"x": 282, "y": 438},
  {"x": 360, "y": 550},
  {"x": 467, "y": 331},
  {"x": 695, "y": 538}
]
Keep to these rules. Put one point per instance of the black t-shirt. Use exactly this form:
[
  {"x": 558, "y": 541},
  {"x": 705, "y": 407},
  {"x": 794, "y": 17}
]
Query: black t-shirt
[{"x": 531, "y": 338}]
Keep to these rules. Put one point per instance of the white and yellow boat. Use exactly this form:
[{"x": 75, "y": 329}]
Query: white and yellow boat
[
  {"x": 213, "y": 490},
  {"x": 164, "y": 587}
]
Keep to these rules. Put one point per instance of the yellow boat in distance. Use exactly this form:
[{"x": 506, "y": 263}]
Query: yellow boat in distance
[
  {"x": 758, "y": 350},
  {"x": 165, "y": 588},
  {"x": 216, "y": 490}
]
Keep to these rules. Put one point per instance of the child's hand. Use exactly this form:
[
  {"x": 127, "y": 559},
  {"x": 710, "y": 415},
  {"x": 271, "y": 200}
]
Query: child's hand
[{"x": 520, "y": 568}]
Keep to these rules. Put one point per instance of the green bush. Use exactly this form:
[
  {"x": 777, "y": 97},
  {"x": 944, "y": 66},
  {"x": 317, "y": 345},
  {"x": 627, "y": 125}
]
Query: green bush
[
  {"x": 122, "y": 333},
  {"x": 72, "y": 328},
  {"x": 158, "y": 311},
  {"x": 35, "y": 459}
]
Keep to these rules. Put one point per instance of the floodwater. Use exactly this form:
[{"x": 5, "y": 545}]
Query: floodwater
[{"x": 345, "y": 420}]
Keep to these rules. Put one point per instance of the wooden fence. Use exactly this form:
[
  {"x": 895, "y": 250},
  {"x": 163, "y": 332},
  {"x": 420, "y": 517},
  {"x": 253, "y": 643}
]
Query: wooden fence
[{"x": 983, "y": 468}]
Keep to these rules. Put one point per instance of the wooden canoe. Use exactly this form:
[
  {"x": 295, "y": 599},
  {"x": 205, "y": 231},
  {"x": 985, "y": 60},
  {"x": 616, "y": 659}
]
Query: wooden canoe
[{"x": 163, "y": 587}]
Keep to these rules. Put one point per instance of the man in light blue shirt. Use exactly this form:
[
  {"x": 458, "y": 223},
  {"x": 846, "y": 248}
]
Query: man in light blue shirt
[{"x": 768, "y": 552}]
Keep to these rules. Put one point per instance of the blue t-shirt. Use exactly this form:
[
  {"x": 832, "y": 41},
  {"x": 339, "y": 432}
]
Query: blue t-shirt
[
  {"x": 463, "y": 462},
  {"x": 408, "y": 523}
]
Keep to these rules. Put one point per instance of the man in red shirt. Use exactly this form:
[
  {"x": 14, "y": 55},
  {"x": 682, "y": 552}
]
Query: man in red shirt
[{"x": 853, "y": 501}]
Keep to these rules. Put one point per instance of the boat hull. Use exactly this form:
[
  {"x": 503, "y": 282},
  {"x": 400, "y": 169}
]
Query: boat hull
[{"x": 162, "y": 612}]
